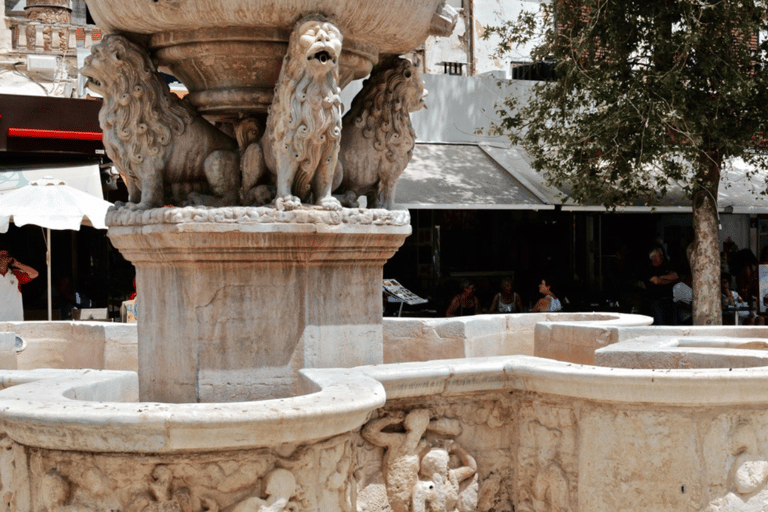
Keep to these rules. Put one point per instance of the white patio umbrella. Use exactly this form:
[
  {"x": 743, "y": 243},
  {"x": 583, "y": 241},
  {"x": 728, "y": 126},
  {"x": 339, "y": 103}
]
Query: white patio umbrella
[{"x": 51, "y": 204}]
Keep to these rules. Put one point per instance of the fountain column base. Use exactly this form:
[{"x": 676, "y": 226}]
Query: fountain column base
[{"x": 234, "y": 301}]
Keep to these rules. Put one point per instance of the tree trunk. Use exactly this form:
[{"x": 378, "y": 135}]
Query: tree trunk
[{"x": 705, "y": 258}]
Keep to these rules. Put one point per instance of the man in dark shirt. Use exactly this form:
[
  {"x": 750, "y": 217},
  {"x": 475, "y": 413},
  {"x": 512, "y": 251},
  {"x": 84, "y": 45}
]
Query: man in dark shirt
[{"x": 660, "y": 279}]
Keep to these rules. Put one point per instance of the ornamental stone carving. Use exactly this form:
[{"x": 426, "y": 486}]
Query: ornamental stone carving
[
  {"x": 549, "y": 490},
  {"x": 279, "y": 488},
  {"x": 31, "y": 33},
  {"x": 310, "y": 477},
  {"x": 547, "y": 458},
  {"x": 747, "y": 480},
  {"x": 299, "y": 149},
  {"x": 377, "y": 138},
  {"x": 163, "y": 150},
  {"x": 423, "y": 468},
  {"x": 163, "y": 496},
  {"x": 439, "y": 488}
]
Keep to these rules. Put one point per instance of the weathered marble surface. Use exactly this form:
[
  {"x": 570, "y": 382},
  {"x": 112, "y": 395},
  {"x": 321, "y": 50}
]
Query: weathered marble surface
[
  {"x": 162, "y": 148},
  {"x": 228, "y": 52},
  {"x": 492, "y": 433},
  {"x": 421, "y": 339},
  {"x": 377, "y": 138},
  {"x": 234, "y": 301},
  {"x": 702, "y": 350},
  {"x": 73, "y": 344},
  {"x": 385, "y": 25},
  {"x": 477, "y": 434},
  {"x": 303, "y": 133}
]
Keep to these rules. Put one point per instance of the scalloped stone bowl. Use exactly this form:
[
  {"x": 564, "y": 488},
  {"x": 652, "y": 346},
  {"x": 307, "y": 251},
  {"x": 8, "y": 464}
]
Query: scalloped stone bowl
[{"x": 228, "y": 52}]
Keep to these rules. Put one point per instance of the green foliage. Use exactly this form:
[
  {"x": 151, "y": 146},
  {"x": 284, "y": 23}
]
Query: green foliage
[{"x": 646, "y": 91}]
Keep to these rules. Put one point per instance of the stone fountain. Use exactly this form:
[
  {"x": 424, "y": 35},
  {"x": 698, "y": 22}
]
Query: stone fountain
[
  {"x": 260, "y": 385},
  {"x": 235, "y": 300}
]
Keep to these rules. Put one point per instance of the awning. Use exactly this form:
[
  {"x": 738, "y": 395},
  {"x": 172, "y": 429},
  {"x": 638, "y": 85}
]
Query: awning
[
  {"x": 84, "y": 177},
  {"x": 49, "y": 125},
  {"x": 742, "y": 190},
  {"x": 469, "y": 176}
]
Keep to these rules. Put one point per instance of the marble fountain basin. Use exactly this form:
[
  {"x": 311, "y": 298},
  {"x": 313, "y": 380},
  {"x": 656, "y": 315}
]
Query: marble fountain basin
[
  {"x": 228, "y": 52},
  {"x": 694, "y": 351},
  {"x": 667, "y": 438}
]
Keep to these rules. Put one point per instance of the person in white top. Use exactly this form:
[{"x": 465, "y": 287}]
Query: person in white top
[
  {"x": 507, "y": 300},
  {"x": 549, "y": 302},
  {"x": 12, "y": 275}
]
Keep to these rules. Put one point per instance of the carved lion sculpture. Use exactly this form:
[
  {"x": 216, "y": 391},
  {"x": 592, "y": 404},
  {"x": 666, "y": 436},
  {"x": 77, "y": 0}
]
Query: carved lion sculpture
[
  {"x": 300, "y": 145},
  {"x": 163, "y": 150},
  {"x": 377, "y": 138}
]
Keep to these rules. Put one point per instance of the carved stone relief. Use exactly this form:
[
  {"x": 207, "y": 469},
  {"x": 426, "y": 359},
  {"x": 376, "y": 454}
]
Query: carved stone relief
[
  {"x": 63, "y": 39},
  {"x": 47, "y": 38},
  {"x": 7, "y": 473},
  {"x": 547, "y": 461},
  {"x": 299, "y": 150},
  {"x": 747, "y": 471},
  {"x": 168, "y": 154},
  {"x": 279, "y": 488},
  {"x": 413, "y": 461},
  {"x": 313, "y": 477},
  {"x": 49, "y": 15},
  {"x": 164, "y": 151},
  {"x": 377, "y": 137},
  {"x": 31, "y": 34}
]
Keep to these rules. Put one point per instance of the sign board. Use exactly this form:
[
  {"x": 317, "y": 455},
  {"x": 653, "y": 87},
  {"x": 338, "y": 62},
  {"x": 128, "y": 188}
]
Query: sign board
[{"x": 398, "y": 291}]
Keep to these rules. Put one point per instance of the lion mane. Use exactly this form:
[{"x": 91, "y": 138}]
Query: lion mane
[
  {"x": 301, "y": 140},
  {"x": 149, "y": 133},
  {"x": 377, "y": 136}
]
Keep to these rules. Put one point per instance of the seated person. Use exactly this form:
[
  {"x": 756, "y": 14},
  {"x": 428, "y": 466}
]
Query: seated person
[
  {"x": 549, "y": 302},
  {"x": 731, "y": 300},
  {"x": 659, "y": 281},
  {"x": 507, "y": 300},
  {"x": 465, "y": 303}
]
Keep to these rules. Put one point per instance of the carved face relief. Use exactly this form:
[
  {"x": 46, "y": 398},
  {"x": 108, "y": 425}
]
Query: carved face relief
[
  {"x": 414, "y": 90},
  {"x": 94, "y": 69},
  {"x": 321, "y": 45}
]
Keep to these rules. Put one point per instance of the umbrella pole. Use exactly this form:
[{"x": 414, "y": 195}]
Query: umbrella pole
[{"x": 48, "y": 265}]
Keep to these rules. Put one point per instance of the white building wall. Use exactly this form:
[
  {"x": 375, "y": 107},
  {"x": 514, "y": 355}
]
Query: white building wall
[
  {"x": 457, "y": 106},
  {"x": 467, "y": 45}
]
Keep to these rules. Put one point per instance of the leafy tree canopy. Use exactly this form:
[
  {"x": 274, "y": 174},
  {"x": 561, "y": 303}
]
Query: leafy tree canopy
[{"x": 646, "y": 91}]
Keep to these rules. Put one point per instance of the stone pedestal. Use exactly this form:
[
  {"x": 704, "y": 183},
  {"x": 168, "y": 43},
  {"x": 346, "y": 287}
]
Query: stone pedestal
[{"x": 232, "y": 302}]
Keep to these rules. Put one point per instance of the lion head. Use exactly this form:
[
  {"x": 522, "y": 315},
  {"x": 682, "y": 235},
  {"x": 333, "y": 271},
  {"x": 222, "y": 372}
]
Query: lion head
[
  {"x": 382, "y": 108},
  {"x": 139, "y": 115},
  {"x": 305, "y": 113}
]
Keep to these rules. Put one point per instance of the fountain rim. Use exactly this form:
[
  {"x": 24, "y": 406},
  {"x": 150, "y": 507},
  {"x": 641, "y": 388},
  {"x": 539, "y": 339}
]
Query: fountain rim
[
  {"x": 44, "y": 413},
  {"x": 47, "y": 413}
]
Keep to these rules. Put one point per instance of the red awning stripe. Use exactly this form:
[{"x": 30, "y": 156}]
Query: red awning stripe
[{"x": 53, "y": 134}]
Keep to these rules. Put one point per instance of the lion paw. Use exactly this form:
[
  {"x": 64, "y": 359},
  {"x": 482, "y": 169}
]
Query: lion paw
[
  {"x": 330, "y": 203},
  {"x": 287, "y": 203},
  {"x": 134, "y": 206}
]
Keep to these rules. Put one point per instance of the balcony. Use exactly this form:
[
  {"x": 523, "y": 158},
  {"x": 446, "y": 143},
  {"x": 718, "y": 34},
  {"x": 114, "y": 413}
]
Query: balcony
[{"x": 34, "y": 37}]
